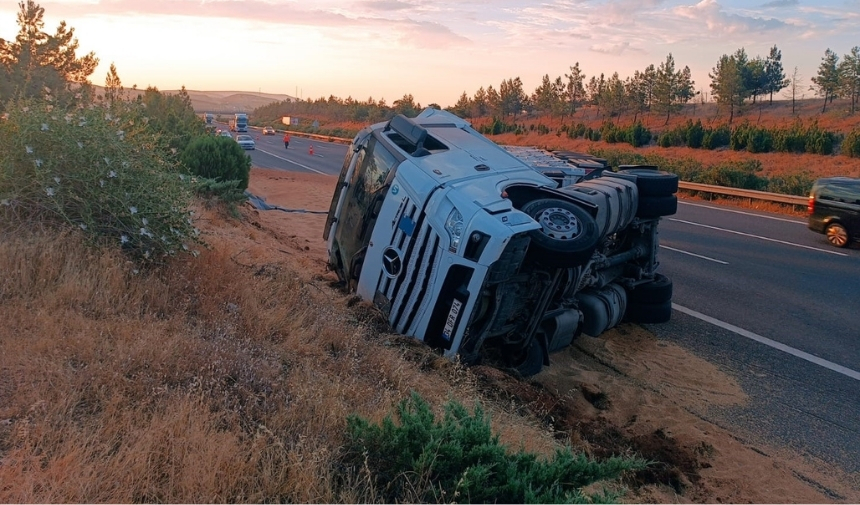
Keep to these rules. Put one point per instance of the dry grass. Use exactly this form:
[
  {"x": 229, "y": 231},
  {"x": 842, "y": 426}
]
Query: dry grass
[
  {"x": 202, "y": 381},
  {"x": 835, "y": 119}
]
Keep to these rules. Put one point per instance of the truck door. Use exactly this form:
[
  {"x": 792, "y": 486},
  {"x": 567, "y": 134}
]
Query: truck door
[{"x": 361, "y": 204}]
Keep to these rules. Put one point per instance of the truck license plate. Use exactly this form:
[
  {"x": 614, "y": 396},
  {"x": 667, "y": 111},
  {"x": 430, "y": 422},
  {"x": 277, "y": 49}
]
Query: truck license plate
[{"x": 452, "y": 319}]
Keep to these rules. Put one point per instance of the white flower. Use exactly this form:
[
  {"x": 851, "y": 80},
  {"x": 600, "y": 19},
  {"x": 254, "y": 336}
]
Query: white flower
[
  {"x": 121, "y": 135},
  {"x": 112, "y": 174},
  {"x": 57, "y": 180},
  {"x": 81, "y": 145},
  {"x": 83, "y": 226},
  {"x": 29, "y": 149},
  {"x": 164, "y": 239},
  {"x": 145, "y": 232},
  {"x": 38, "y": 163},
  {"x": 50, "y": 191},
  {"x": 107, "y": 160},
  {"x": 146, "y": 255},
  {"x": 102, "y": 182},
  {"x": 145, "y": 221},
  {"x": 123, "y": 239},
  {"x": 44, "y": 127},
  {"x": 133, "y": 210},
  {"x": 68, "y": 118},
  {"x": 181, "y": 177},
  {"x": 108, "y": 117},
  {"x": 184, "y": 247}
]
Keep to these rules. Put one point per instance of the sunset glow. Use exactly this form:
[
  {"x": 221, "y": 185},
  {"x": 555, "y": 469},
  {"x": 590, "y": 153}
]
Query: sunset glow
[{"x": 434, "y": 50}]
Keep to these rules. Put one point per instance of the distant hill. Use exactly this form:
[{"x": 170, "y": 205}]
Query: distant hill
[
  {"x": 220, "y": 102},
  {"x": 228, "y": 102}
]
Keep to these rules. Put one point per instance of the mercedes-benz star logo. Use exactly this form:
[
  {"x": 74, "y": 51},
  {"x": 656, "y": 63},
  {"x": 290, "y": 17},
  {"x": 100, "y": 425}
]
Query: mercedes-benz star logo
[{"x": 391, "y": 262}]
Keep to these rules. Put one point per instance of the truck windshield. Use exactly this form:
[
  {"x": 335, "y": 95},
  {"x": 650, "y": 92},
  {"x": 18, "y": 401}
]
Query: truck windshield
[{"x": 363, "y": 202}]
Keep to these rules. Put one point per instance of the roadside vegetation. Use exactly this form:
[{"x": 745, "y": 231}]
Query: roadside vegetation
[{"x": 142, "y": 362}]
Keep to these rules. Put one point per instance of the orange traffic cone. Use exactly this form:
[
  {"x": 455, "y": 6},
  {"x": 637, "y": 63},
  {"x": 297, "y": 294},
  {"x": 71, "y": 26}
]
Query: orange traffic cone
[{"x": 311, "y": 150}]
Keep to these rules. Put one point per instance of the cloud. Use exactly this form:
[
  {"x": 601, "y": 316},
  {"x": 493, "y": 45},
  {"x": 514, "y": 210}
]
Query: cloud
[
  {"x": 719, "y": 22},
  {"x": 778, "y": 4},
  {"x": 386, "y": 5}
]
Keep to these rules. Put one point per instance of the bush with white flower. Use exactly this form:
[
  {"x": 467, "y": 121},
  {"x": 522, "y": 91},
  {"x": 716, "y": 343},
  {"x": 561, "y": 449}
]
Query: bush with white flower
[{"x": 97, "y": 170}]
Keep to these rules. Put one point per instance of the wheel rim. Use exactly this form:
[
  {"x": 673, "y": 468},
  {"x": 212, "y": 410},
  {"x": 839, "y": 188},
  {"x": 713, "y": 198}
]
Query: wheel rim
[
  {"x": 837, "y": 235},
  {"x": 558, "y": 223}
]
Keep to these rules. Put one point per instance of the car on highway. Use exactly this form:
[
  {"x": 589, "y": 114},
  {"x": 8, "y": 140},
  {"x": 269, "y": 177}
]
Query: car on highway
[
  {"x": 834, "y": 209},
  {"x": 225, "y": 133},
  {"x": 246, "y": 142},
  {"x": 268, "y": 130}
]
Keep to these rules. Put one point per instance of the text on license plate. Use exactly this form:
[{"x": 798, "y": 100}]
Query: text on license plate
[{"x": 452, "y": 319}]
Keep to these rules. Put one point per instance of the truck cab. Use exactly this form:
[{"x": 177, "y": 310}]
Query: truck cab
[{"x": 484, "y": 254}]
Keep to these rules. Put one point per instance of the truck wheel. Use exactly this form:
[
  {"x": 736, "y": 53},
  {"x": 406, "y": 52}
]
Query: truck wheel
[
  {"x": 530, "y": 361},
  {"x": 657, "y": 206},
  {"x": 655, "y": 292},
  {"x": 567, "y": 235},
  {"x": 653, "y": 182},
  {"x": 648, "y": 313}
]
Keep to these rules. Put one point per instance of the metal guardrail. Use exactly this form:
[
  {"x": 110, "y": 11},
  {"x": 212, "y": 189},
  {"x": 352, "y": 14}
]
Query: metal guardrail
[{"x": 745, "y": 193}]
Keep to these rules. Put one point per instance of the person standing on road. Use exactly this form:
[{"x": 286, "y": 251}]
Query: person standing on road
[{"x": 286, "y": 141}]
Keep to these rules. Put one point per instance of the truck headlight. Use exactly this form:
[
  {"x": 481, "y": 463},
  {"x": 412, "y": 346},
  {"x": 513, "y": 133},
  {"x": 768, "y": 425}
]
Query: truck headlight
[{"x": 454, "y": 226}]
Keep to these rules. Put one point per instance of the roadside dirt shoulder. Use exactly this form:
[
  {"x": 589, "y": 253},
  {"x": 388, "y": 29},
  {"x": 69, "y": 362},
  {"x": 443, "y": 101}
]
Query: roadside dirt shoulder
[{"x": 625, "y": 392}]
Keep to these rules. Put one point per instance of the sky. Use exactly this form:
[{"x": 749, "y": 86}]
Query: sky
[{"x": 434, "y": 49}]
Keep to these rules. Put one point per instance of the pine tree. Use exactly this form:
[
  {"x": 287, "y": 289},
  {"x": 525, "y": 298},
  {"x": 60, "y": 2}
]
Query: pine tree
[
  {"x": 774, "y": 74},
  {"x": 826, "y": 83},
  {"x": 574, "y": 89},
  {"x": 727, "y": 84},
  {"x": 37, "y": 61},
  {"x": 849, "y": 76}
]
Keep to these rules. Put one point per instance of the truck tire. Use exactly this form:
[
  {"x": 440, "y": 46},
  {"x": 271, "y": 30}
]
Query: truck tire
[
  {"x": 530, "y": 361},
  {"x": 653, "y": 182},
  {"x": 656, "y": 206},
  {"x": 567, "y": 236}
]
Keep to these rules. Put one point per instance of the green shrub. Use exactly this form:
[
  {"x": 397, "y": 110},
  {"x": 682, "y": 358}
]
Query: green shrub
[
  {"x": 818, "y": 140},
  {"x": 218, "y": 158},
  {"x": 741, "y": 174},
  {"x": 716, "y": 137},
  {"x": 96, "y": 169},
  {"x": 851, "y": 144},
  {"x": 459, "y": 460},
  {"x": 637, "y": 135},
  {"x": 695, "y": 134}
]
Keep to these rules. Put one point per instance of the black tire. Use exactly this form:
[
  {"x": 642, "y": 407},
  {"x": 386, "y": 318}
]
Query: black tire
[
  {"x": 530, "y": 360},
  {"x": 567, "y": 235},
  {"x": 653, "y": 182},
  {"x": 837, "y": 235},
  {"x": 657, "y": 206},
  {"x": 648, "y": 313},
  {"x": 651, "y": 293}
]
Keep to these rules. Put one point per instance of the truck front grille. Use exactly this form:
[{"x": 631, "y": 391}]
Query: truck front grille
[{"x": 407, "y": 292}]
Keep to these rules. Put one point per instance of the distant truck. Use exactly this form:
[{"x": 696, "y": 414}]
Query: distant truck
[
  {"x": 239, "y": 123},
  {"x": 208, "y": 117},
  {"x": 504, "y": 253}
]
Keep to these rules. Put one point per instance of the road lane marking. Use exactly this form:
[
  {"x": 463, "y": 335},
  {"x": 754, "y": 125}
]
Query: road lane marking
[
  {"x": 694, "y": 254},
  {"x": 771, "y": 343},
  {"x": 293, "y": 162},
  {"x": 757, "y": 236},
  {"x": 795, "y": 221}
]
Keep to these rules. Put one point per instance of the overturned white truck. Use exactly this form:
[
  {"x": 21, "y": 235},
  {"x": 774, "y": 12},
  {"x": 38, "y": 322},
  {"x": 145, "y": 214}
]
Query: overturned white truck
[{"x": 487, "y": 252}]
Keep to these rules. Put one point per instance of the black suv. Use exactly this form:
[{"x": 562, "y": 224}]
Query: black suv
[{"x": 834, "y": 209}]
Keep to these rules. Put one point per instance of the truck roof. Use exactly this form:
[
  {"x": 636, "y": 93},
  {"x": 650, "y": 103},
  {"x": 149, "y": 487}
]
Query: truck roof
[{"x": 447, "y": 148}]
